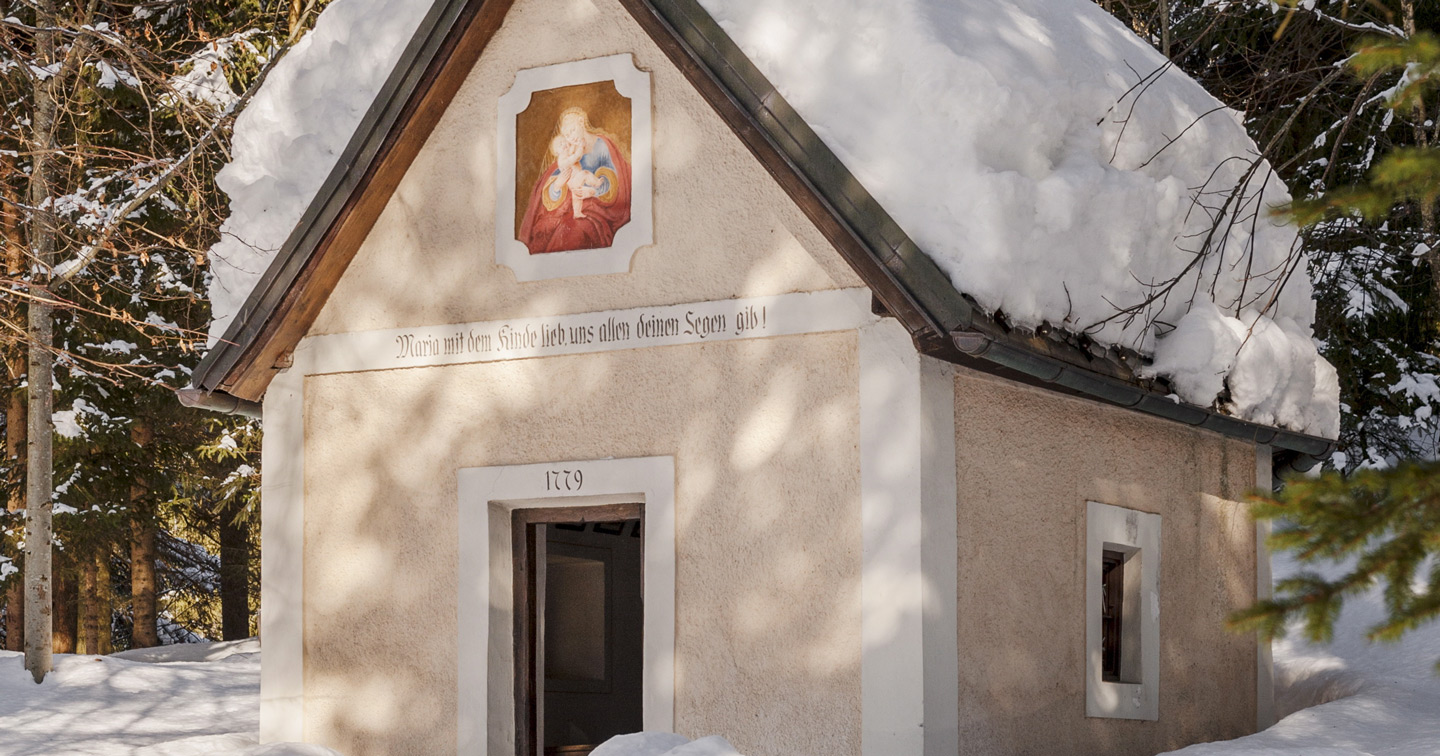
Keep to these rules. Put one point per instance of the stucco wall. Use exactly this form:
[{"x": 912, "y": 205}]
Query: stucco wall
[
  {"x": 723, "y": 228},
  {"x": 764, "y": 435},
  {"x": 1029, "y": 460},
  {"x": 763, "y": 432}
]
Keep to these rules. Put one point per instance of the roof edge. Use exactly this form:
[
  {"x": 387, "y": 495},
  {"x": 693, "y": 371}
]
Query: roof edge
[
  {"x": 953, "y": 319},
  {"x": 943, "y": 322},
  {"x": 352, "y": 168}
]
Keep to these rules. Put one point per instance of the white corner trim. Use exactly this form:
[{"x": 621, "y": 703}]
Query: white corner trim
[
  {"x": 909, "y": 667},
  {"x": 630, "y": 82},
  {"x": 1108, "y": 526},
  {"x": 482, "y": 490},
  {"x": 1264, "y": 589},
  {"x": 634, "y": 328},
  {"x": 282, "y": 569},
  {"x": 940, "y": 558}
]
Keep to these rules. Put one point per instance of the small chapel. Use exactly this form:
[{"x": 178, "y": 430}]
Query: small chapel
[{"x": 602, "y": 393}]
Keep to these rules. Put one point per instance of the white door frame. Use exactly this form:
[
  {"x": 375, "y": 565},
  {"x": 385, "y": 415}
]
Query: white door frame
[{"x": 487, "y": 496}]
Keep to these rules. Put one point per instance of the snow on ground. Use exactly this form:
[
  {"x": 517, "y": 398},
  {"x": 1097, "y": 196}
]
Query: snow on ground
[
  {"x": 1388, "y": 694},
  {"x": 1043, "y": 155},
  {"x": 192, "y": 700},
  {"x": 664, "y": 744},
  {"x": 192, "y": 652},
  {"x": 203, "y": 700}
]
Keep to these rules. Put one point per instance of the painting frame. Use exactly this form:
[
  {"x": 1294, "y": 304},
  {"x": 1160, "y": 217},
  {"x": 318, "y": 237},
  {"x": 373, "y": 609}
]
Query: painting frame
[{"x": 629, "y": 82}]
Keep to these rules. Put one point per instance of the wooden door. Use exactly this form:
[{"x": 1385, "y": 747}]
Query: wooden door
[{"x": 578, "y": 626}]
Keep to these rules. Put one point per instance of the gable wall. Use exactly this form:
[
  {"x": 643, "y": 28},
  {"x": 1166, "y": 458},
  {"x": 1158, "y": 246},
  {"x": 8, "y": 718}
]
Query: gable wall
[
  {"x": 1028, "y": 461},
  {"x": 762, "y": 431},
  {"x": 723, "y": 228},
  {"x": 767, "y": 585}
]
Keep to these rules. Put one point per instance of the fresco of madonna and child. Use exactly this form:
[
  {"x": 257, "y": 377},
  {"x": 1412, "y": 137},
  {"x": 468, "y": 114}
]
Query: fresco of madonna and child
[{"x": 580, "y": 196}]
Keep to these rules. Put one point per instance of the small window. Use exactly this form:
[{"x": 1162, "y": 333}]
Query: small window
[
  {"x": 1112, "y": 607},
  {"x": 1122, "y": 612},
  {"x": 1120, "y": 624}
]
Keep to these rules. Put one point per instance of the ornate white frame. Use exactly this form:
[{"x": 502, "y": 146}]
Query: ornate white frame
[{"x": 630, "y": 82}]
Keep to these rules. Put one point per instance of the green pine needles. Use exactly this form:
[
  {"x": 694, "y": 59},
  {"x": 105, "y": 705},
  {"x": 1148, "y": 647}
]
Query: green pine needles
[
  {"x": 1410, "y": 174},
  {"x": 1377, "y": 526},
  {"x": 1386, "y": 521}
]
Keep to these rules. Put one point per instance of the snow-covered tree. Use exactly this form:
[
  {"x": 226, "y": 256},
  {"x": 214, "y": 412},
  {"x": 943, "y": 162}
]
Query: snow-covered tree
[
  {"x": 1344, "y": 97},
  {"x": 116, "y": 115}
]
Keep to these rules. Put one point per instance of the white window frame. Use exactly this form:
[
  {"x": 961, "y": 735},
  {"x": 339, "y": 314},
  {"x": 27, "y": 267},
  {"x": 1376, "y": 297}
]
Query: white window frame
[{"x": 1109, "y": 527}]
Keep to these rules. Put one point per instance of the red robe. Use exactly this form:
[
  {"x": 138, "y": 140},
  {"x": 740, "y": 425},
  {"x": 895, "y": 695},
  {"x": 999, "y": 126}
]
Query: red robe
[{"x": 555, "y": 229}]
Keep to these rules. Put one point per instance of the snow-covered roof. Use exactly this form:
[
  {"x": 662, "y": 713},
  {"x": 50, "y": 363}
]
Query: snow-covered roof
[
  {"x": 287, "y": 140},
  {"x": 1047, "y": 160}
]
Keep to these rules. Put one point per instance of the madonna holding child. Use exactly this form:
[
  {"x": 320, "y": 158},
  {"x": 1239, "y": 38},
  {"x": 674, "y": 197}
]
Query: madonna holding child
[{"x": 582, "y": 197}]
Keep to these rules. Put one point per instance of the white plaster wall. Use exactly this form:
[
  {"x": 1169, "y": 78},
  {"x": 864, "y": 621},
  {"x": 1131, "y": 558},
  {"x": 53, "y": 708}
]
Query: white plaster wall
[
  {"x": 765, "y": 437},
  {"x": 723, "y": 228}
]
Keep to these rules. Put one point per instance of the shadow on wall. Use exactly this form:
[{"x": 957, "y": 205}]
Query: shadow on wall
[{"x": 766, "y": 550}]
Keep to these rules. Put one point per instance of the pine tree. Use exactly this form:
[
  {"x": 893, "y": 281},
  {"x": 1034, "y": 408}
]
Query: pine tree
[
  {"x": 116, "y": 113},
  {"x": 1387, "y": 521},
  {"x": 1382, "y": 523}
]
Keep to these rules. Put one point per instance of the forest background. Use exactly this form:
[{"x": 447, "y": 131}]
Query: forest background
[{"x": 116, "y": 120}]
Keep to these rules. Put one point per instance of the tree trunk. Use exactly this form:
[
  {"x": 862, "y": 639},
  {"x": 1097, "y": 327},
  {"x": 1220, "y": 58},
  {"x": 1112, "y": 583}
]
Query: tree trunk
[
  {"x": 105, "y": 592},
  {"x": 40, "y": 333},
  {"x": 1165, "y": 28},
  {"x": 14, "y": 356},
  {"x": 15, "y": 617},
  {"x": 143, "y": 634},
  {"x": 293, "y": 21},
  {"x": 90, "y": 605},
  {"x": 65, "y": 619},
  {"x": 15, "y": 436},
  {"x": 1422, "y": 138},
  {"x": 234, "y": 575}
]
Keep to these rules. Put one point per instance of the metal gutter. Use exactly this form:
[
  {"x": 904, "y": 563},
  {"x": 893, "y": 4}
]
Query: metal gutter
[
  {"x": 1113, "y": 391},
  {"x": 219, "y": 401},
  {"x": 351, "y": 167}
]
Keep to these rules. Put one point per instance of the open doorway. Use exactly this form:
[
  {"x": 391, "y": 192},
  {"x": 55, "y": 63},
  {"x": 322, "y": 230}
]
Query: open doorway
[{"x": 579, "y": 626}]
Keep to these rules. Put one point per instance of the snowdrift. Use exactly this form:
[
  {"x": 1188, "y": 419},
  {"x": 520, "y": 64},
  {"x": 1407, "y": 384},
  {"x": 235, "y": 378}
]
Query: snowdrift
[{"x": 1368, "y": 699}]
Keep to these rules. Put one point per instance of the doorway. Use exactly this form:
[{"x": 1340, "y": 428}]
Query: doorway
[{"x": 579, "y": 626}]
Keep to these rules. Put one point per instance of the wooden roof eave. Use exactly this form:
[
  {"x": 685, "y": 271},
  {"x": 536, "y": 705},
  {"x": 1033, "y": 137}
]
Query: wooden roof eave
[{"x": 285, "y": 302}]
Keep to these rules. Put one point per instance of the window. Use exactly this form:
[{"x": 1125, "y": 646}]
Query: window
[
  {"x": 1122, "y": 629},
  {"x": 1112, "y": 606}
]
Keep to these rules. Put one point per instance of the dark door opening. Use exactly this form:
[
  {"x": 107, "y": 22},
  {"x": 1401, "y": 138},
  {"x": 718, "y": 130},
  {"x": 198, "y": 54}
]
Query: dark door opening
[{"x": 578, "y": 627}]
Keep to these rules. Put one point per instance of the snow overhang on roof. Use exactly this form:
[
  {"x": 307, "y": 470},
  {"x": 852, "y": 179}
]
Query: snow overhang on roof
[{"x": 906, "y": 281}]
